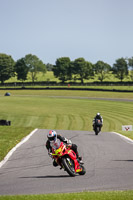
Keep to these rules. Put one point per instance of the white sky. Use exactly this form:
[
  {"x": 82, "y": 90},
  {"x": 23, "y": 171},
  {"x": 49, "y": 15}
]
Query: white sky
[{"x": 50, "y": 29}]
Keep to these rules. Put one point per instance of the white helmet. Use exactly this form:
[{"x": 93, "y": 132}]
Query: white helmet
[
  {"x": 52, "y": 136},
  {"x": 98, "y": 114}
]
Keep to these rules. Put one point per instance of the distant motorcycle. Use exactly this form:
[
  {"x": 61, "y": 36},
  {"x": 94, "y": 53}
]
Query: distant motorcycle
[
  {"x": 66, "y": 158},
  {"x": 97, "y": 126}
]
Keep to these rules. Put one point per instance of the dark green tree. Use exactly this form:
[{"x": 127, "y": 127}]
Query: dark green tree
[
  {"x": 120, "y": 68},
  {"x": 6, "y": 67},
  {"x": 21, "y": 69},
  {"x": 82, "y": 69},
  {"x": 35, "y": 65},
  {"x": 49, "y": 67},
  {"x": 62, "y": 69},
  {"x": 130, "y": 64},
  {"x": 101, "y": 69}
]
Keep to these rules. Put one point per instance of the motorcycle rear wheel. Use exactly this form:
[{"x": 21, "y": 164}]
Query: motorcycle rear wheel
[{"x": 69, "y": 166}]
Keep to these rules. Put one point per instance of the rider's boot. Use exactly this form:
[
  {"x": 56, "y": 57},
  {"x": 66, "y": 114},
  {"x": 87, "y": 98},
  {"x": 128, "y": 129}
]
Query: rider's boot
[{"x": 79, "y": 158}]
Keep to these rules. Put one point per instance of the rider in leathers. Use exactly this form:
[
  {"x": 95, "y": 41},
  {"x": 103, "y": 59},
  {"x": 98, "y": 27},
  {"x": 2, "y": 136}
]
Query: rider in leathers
[
  {"x": 53, "y": 138},
  {"x": 98, "y": 116}
]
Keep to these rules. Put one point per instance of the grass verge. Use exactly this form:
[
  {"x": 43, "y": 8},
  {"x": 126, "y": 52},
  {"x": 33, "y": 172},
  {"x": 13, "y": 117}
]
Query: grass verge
[
  {"x": 111, "y": 195},
  {"x": 10, "y": 136}
]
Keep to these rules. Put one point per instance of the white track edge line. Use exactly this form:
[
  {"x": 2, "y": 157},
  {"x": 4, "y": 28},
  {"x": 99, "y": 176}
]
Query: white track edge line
[
  {"x": 14, "y": 148},
  {"x": 124, "y": 137}
]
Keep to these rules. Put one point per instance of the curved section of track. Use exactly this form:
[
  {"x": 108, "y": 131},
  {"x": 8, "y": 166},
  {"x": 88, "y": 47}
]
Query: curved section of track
[{"x": 108, "y": 161}]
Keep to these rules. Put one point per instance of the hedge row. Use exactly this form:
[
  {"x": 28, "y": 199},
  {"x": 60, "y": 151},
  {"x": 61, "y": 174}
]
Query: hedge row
[{"x": 54, "y": 83}]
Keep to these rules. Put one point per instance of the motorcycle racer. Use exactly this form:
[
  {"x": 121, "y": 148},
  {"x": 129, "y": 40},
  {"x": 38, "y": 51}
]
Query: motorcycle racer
[
  {"x": 54, "y": 140},
  {"x": 98, "y": 116}
]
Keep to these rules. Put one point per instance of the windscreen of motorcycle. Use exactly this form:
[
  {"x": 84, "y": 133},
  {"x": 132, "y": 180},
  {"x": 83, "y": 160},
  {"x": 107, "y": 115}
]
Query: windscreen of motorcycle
[{"x": 55, "y": 144}]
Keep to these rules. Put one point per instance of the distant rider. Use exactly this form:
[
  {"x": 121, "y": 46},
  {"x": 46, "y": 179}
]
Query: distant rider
[
  {"x": 98, "y": 116},
  {"x": 54, "y": 139}
]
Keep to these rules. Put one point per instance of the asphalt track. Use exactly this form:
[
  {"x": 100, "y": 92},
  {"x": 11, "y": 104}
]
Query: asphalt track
[{"x": 108, "y": 160}]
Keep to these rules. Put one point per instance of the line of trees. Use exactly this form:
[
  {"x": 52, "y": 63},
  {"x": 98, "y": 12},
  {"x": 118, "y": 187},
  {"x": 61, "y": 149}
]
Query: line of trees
[
  {"x": 28, "y": 64},
  {"x": 64, "y": 69},
  {"x": 80, "y": 69}
]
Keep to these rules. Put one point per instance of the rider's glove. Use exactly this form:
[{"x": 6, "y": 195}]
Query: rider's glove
[
  {"x": 69, "y": 142},
  {"x": 68, "y": 145},
  {"x": 50, "y": 154}
]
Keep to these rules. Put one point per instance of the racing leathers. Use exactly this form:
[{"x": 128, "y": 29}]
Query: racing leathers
[{"x": 98, "y": 116}]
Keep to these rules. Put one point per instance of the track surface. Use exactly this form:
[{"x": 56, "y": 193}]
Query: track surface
[{"x": 108, "y": 160}]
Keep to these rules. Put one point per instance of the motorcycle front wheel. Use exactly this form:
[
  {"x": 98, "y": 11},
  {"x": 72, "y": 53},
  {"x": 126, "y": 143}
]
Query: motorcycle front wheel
[
  {"x": 97, "y": 130},
  {"x": 83, "y": 170},
  {"x": 68, "y": 164}
]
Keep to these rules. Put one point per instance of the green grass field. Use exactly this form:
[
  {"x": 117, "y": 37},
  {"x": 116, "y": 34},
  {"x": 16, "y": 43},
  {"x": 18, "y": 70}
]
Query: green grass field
[
  {"x": 68, "y": 110},
  {"x": 40, "y": 77},
  {"x": 116, "y": 195},
  {"x": 49, "y": 76}
]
